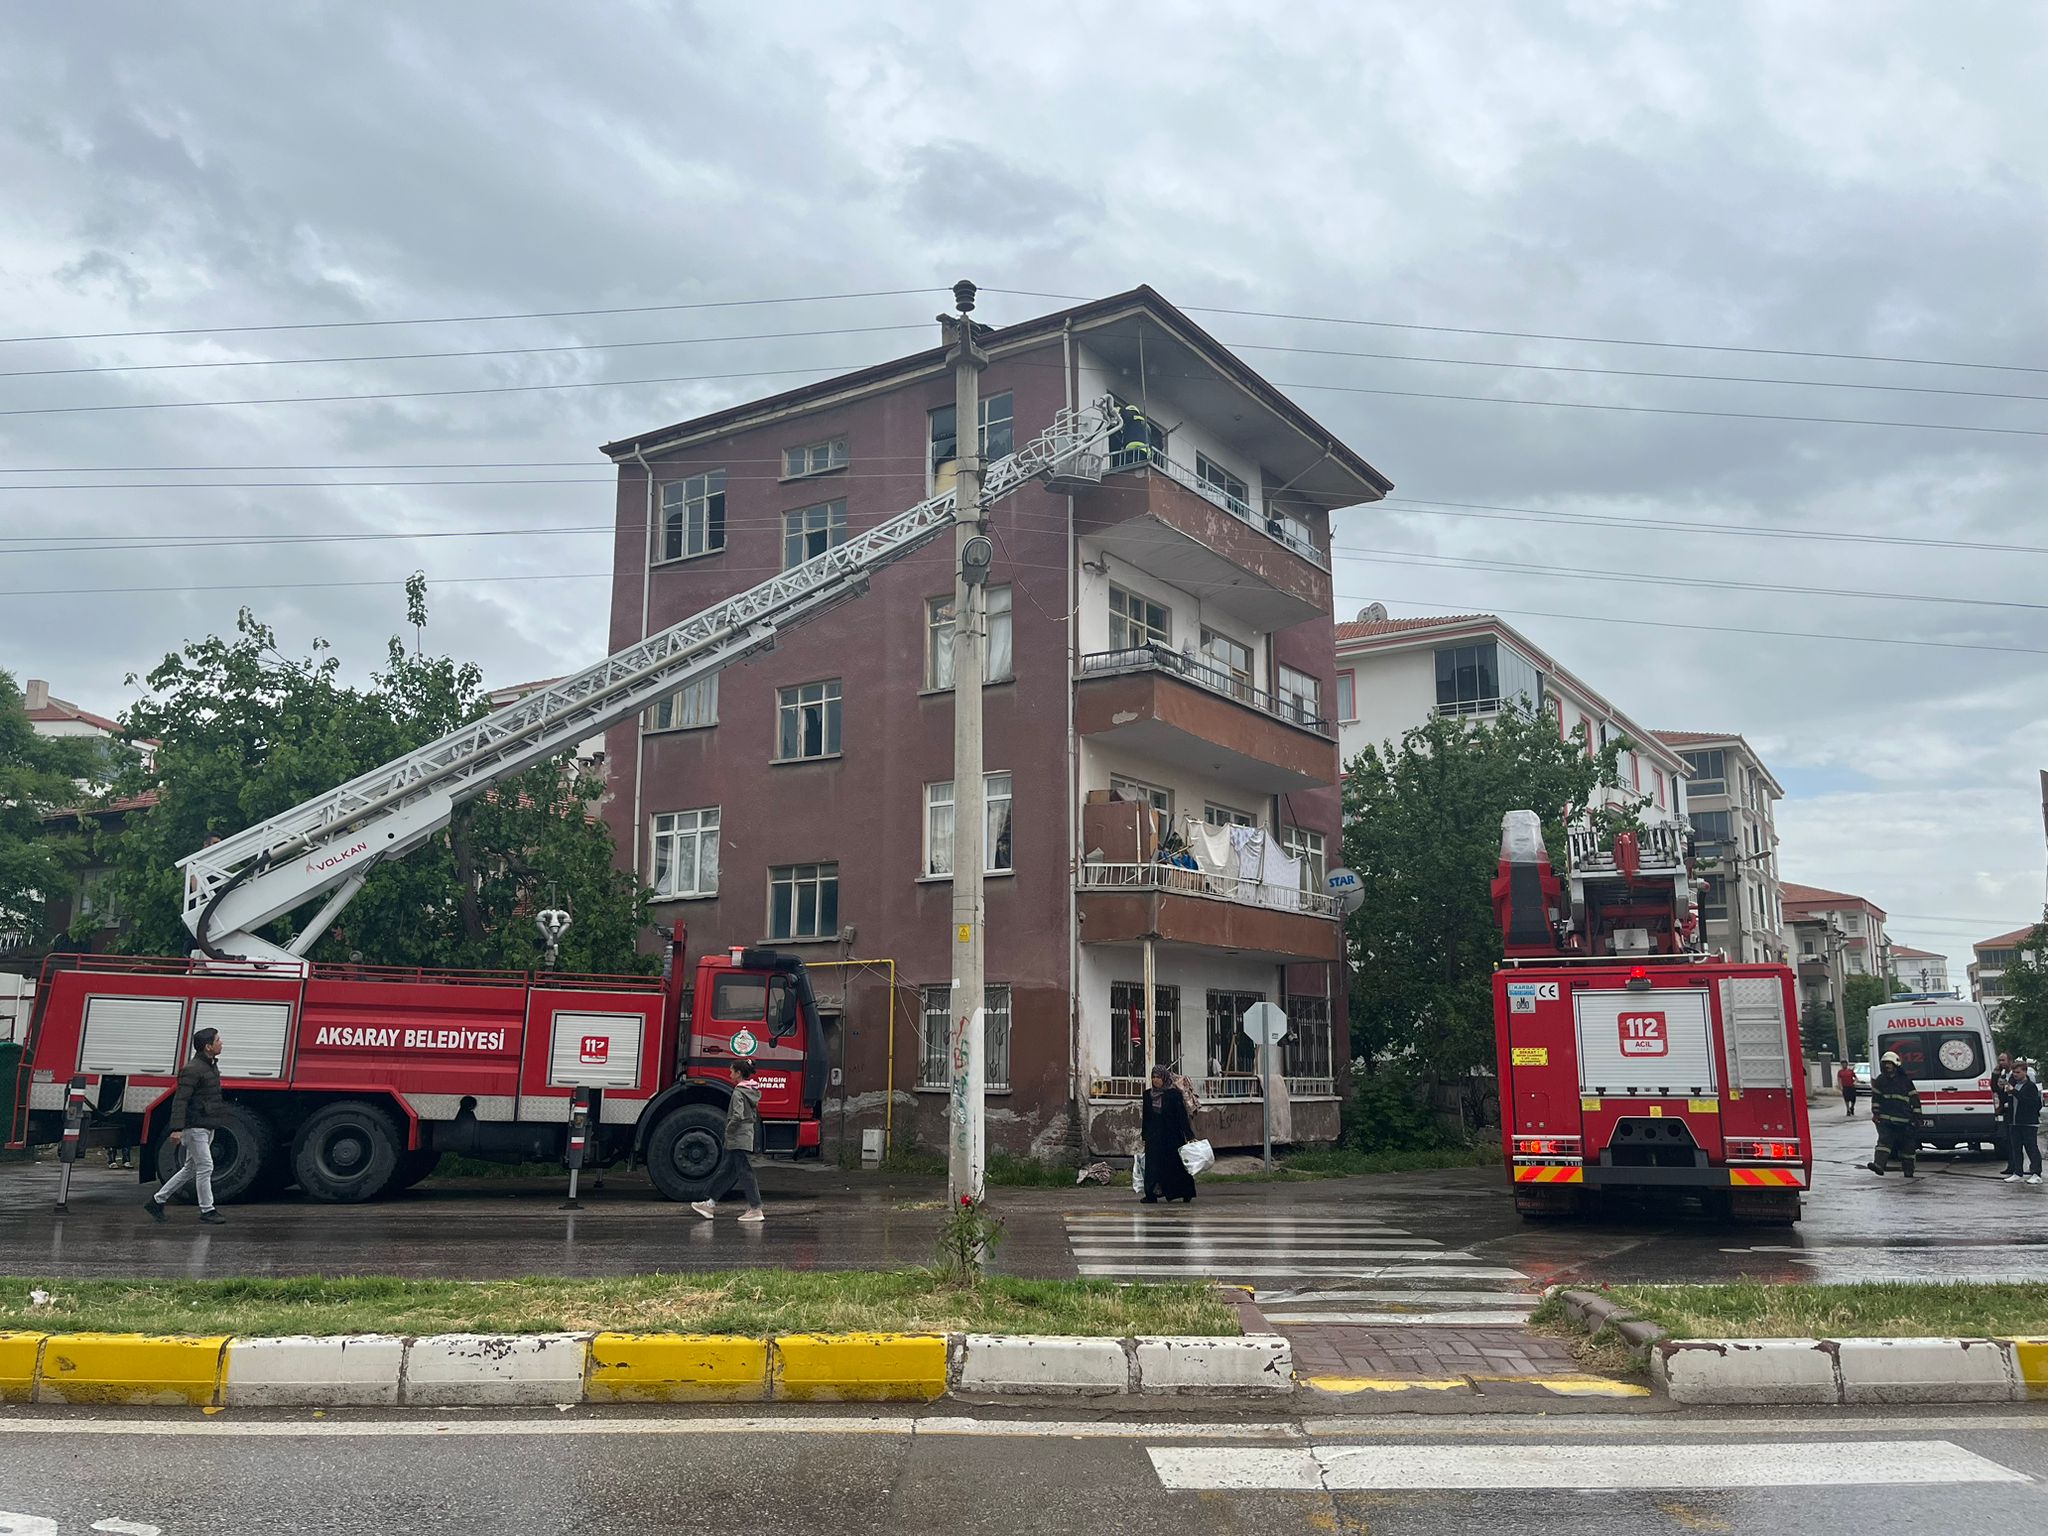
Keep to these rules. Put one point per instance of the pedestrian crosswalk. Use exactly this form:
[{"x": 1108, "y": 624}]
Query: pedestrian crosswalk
[{"x": 1329, "y": 1268}]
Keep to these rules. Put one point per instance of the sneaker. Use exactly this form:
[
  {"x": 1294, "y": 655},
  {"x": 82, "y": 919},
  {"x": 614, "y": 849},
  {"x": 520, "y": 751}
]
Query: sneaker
[
  {"x": 704, "y": 1208},
  {"x": 2012, "y": 1178},
  {"x": 155, "y": 1207},
  {"x": 753, "y": 1215},
  {"x": 2033, "y": 1178},
  {"x": 213, "y": 1218}
]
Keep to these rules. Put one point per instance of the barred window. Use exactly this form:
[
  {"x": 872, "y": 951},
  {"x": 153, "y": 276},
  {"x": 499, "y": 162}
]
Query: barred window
[
  {"x": 1130, "y": 1055},
  {"x": 1307, "y": 1050},
  {"x": 935, "y": 1056}
]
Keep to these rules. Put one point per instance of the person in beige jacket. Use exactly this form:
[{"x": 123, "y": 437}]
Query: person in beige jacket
[{"x": 742, "y": 1139}]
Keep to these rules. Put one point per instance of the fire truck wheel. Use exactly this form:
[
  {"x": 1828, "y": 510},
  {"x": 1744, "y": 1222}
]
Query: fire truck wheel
[
  {"x": 347, "y": 1152},
  {"x": 686, "y": 1154},
  {"x": 243, "y": 1148}
]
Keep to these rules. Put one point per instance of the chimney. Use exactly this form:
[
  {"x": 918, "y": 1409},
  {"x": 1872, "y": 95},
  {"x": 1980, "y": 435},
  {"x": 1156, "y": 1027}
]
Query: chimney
[{"x": 38, "y": 695}]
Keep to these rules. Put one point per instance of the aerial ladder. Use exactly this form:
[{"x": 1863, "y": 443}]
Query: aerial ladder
[{"x": 329, "y": 845}]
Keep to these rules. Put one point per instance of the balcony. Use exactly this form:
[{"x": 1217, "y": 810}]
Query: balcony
[
  {"x": 1127, "y": 903},
  {"x": 1161, "y": 517},
  {"x": 1186, "y": 710}
]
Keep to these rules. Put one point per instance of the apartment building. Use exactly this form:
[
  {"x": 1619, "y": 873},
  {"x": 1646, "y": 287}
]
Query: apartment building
[
  {"x": 1831, "y": 936},
  {"x": 1393, "y": 674},
  {"x": 1918, "y": 970},
  {"x": 1731, "y": 799},
  {"x": 1160, "y": 682},
  {"x": 1990, "y": 960}
]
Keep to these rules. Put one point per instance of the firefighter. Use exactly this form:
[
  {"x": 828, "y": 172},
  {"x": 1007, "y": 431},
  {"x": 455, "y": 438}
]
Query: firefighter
[{"x": 1895, "y": 1106}]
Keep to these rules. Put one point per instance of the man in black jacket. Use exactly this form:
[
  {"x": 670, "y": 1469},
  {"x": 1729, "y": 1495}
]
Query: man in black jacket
[
  {"x": 2023, "y": 1125},
  {"x": 196, "y": 1113},
  {"x": 1895, "y": 1106}
]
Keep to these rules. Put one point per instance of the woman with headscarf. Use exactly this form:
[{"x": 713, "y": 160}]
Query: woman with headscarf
[{"x": 1166, "y": 1131}]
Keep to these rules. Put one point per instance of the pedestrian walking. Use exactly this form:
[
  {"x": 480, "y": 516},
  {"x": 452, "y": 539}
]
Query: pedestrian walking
[
  {"x": 742, "y": 1139},
  {"x": 2023, "y": 1127},
  {"x": 1895, "y": 1106},
  {"x": 1845, "y": 1079},
  {"x": 197, "y": 1111},
  {"x": 1166, "y": 1129}
]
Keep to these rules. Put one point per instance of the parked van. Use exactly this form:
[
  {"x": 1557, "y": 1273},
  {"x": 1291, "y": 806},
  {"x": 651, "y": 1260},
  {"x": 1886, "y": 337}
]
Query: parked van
[{"x": 1944, "y": 1044}]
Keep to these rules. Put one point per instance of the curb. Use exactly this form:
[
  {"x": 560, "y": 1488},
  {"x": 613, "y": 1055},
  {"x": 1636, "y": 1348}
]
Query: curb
[
  {"x": 498, "y": 1370},
  {"x": 1853, "y": 1372},
  {"x": 1593, "y": 1313}
]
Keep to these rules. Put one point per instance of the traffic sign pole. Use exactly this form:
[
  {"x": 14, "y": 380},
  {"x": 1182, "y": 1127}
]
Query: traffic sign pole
[{"x": 1265, "y": 1023}]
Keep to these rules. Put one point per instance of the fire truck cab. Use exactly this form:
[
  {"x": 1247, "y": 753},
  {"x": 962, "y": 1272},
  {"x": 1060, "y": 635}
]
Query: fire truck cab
[
  {"x": 353, "y": 1081},
  {"x": 1630, "y": 1061}
]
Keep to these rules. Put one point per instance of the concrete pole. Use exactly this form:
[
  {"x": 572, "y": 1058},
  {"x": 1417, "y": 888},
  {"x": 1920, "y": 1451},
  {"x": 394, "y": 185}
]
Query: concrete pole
[
  {"x": 1150, "y": 1053},
  {"x": 1837, "y": 984},
  {"x": 967, "y": 1154}
]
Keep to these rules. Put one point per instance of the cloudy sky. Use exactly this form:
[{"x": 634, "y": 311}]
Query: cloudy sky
[{"x": 1838, "y": 211}]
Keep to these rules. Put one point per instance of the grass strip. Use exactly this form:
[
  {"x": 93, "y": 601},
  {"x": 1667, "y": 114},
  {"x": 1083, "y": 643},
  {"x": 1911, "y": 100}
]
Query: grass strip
[
  {"x": 1753, "y": 1309},
  {"x": 752, "y": 1302},
  {"x": 1345, "y": 1162}
]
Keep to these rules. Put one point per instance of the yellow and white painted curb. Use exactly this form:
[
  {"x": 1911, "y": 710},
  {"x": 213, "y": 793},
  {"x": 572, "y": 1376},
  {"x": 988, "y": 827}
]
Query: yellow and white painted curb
[
  {"x": 493, "y": 1370},
  {"x": 1852, "y": 1371}
]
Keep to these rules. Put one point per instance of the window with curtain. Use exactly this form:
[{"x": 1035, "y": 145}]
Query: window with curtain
[
  {"x": 687, "y": 708},
  {"x": 938, "y": 824},
  {"x": 692, "y": 516},
  {"x": 997, "y": 660},
  {"x": 686, "y": 853}
]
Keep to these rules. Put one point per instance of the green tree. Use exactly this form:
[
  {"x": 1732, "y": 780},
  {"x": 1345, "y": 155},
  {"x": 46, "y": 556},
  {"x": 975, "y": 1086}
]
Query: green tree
[
  {"x": 1860, "y": 994},
  {"x": 247, "y": 732},
  {"x": 1422, "y": 830},
  {"x": 2023, "y": 1015},
  {"x": 38, "y": 775}
]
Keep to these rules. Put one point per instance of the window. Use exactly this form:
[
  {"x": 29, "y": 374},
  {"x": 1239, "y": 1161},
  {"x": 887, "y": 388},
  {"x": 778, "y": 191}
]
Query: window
[
  {"x": 1852, "y": 922},
  {"x": 1715, "y": 827},
  {"x": 803, "y": 901},
  {"x": 1708, "y": 774},
  {"x": 1161, "y": 800},
  {"x": 686, "y": 853},
  {"x": 692, "y": 516},
  {"x": 1229, "y": 1049},
  {"x": 1235, "y": 493},
  {"x": 1476, "y": 679},
  {"x": 998, "y": 430},
  {"x": 1290, "y": 530},
  {"x": 1137, "y": 440},
  {"x": 1229, "y": 658},
  {"x": 1129, "y": 1053},
  {"x": 1306, "y": 1050},
  {"x": 997, "y": 658},
  {"x": 687, "y": 708},
  {"x": 936, "y": 1055},
  {"x": 1347, "y": 698},
  {"x": 807, "y": 721},
  {"x": 938, "y": 826},
  {"x": 1227, "y": 816},
  {"x": 1301, "y": 696},
  {"x": 809, "y": 531},
  {"x": 1714, "y": 903},
  {"x": 1308, "y": 847},
  {"x": 814, "y": 458},
  {"x": 1136, "y": 621}
]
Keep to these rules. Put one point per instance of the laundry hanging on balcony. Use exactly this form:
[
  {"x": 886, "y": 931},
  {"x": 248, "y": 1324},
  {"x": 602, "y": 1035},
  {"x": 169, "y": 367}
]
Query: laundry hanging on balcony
[{"x": 1214, "y": 857}]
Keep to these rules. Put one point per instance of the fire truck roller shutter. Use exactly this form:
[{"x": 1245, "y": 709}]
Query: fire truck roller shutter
[
  {"x": 136, "y": 1035},
  {"x": 1659, "y": 1042},
  {"x": 252, "y": 1035},
  {"x": 595, "y": 1050},
  {"x": 1753, "y": 1018}
]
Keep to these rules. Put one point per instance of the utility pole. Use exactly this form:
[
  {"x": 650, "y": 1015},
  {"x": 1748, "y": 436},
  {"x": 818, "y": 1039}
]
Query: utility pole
[
  {"x": 967, "y": 1153},
  {"x": 1837, "y": 943}
]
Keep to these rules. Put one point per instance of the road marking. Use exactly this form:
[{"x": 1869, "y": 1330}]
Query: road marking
[
  {"x": 1270, "y": 1258},
  {"x": 1357, "y": 1272},
  {"x": 1420, "y": 1318},
  {"x": 126, "y": 1527},
  {"x": 26, "y": 1525},
  {"x": 1796, "y": 1465},
  {"x": 1416, "y": 1296}
]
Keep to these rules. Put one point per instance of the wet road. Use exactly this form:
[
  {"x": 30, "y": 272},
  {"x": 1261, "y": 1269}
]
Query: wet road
[
  {"x": 834, "y": 1474},
  {"x": 1958, "y": 1221}
]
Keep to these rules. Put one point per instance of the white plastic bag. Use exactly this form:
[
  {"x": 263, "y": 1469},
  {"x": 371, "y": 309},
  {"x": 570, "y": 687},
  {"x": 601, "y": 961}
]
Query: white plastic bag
[
  {"x": 1198, "y": 1155},
  {"x": 1138, "y": 1174}
]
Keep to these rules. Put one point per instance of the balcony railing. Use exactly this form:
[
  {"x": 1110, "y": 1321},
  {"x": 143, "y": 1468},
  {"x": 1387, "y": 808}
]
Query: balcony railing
[
  {"x": 1210, "y": 887},
  {"x": 1203, "y": 673},
  {"x": 1142, "y": 456},
  {"x": 1232, "y": 1088}
]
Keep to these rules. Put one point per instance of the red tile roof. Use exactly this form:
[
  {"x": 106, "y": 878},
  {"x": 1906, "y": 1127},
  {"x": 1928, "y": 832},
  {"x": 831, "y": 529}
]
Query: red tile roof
[
  {"x": 1814, "y": 896},
  {"x": 2006, "y": 938},
  {"x": 1689, "y": 738},
  {"x": 1368, "y": 629},
  {"x": 1907, "y": 952},
  {"x": 58, "y": 712}
]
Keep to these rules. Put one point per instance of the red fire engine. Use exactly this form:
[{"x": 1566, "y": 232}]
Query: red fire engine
[
  {"x": 1632, "y": 1061},
  {"x": 353, "y": 1080}
]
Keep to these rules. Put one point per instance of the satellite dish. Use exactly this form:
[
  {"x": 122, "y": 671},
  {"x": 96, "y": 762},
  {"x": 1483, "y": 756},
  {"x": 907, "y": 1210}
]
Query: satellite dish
[{"x": 1373, "y": 613}]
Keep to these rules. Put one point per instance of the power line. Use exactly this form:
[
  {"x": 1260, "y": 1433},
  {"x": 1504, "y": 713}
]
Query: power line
[
  {"x": 534, "y": 314},
  {"x": 1596, "y": 341},
  {"x": 409, "y": 357}
]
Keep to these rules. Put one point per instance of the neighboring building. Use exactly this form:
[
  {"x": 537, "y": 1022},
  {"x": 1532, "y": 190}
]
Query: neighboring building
[
  {"x": 1393, "y": 674},
  {"x": 1159, "y": 655},
  {"x": 1919, "y": 970},
  {"x": 52, "y": 716},
  {"x": 1731, "y": 799},
  {"x": 1833, "y": 936},
  {"x": 1987, "y": 970},
  {"x": 84, "y": 905}
]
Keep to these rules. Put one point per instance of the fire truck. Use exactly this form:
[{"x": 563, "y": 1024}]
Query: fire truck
[
  {"x": 352, "y": 1080},
  {"x": 1633, "y": 1062}
]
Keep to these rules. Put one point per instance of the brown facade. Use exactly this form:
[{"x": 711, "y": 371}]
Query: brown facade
[{"x": 863, "y": 808}]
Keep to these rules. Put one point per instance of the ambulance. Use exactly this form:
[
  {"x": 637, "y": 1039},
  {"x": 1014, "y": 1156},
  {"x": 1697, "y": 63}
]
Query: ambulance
[{"x": 1944, "y": 1045}]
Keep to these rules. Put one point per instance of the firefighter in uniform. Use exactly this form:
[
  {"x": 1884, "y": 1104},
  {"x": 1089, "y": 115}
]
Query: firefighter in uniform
[{"x": 1895, "y": 1106}]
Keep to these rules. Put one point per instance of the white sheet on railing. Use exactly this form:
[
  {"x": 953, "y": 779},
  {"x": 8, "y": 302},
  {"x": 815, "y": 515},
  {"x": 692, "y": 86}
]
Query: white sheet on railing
[
  {"x": 1213, "y": 852},
  {"x": 1281, "y": 872}
]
